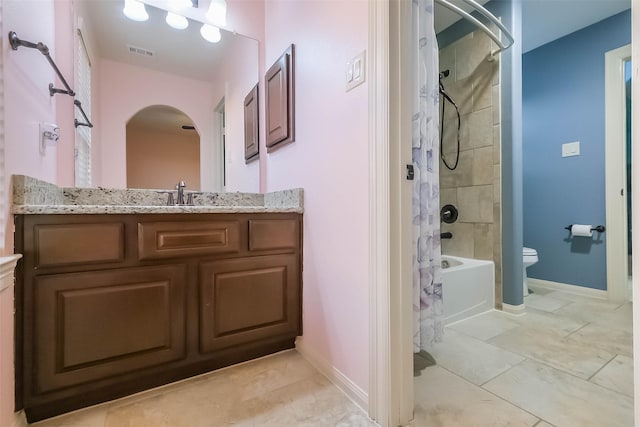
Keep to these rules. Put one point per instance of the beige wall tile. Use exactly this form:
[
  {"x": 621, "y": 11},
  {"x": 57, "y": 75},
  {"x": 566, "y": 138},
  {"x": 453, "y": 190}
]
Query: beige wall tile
[
  {"x": 462, "y": 242},
  {"x": 461, "y": 92},
  {"x": 462, "y": 175},
  {"x": 483, "y": 241},
  {"x": 470, "y": 55},
  {"x": 483, "y": 169},
  {"x": 483, "y": 85},
  {"x": 476, "y": 203},
  {"x": 448, "y": 196},
  {"x": 477, "y": 130},
  {"x": 495, "y": 95},
  {"x": 447, "y": 60}
]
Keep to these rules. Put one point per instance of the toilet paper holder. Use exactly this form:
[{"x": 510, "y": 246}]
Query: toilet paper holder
[{"x": 599, "y": 228}]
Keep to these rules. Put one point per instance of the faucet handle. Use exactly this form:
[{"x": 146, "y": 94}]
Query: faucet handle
[
  {"x": 170, "y": 198},
  {"x": 190, "y": 197}
]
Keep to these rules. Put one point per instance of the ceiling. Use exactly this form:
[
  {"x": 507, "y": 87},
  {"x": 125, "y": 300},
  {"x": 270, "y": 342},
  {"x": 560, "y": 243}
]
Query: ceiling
[{"x": 546, "y": 20}]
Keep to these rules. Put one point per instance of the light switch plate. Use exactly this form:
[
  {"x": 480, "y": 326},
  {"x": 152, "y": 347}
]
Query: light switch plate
[
  {"x": 356, "y": 69},
  {"x": 571, "y": 149}
]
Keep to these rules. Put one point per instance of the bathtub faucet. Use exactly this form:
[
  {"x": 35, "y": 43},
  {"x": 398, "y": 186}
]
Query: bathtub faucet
[{"x": 447, "y": 235}]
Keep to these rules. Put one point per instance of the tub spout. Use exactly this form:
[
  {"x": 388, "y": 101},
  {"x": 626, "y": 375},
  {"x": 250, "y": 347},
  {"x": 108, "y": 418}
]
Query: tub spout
[{"x": 447, "y": 235}]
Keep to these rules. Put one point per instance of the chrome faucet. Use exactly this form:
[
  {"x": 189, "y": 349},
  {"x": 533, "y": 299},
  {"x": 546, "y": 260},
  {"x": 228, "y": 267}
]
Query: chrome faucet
[{"x": 180, "y": 187}]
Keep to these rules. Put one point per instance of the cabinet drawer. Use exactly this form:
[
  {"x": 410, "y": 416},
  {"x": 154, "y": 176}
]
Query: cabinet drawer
[
  {"x": 70, "y": 244},
  {"x": 266, "y": 234},
  {"x": 94, "y": 325},
  {"x": 180, "y": 239}
]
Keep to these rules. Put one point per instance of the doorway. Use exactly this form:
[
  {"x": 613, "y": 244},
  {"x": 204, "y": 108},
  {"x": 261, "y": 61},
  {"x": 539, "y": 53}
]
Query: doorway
[
  {"x": 618, "y": 172},
  {"x": 163, "y": 148}
]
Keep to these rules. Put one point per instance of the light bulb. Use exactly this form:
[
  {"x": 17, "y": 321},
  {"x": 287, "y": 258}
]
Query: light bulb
[
  {"x": 176, "y": 21},
  {"x": 217, "y": 13},
  {"x": 180, "y": 4},
  {"x": 135, "y": 10},
  {"x": 210, "y": 33}
]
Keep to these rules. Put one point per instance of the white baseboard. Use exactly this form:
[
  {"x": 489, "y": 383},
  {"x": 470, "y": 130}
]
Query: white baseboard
[
  {"x": 348, "y": 387},
  {"x": 516, "y": 310},
  {"x": 570, "y": 289}
]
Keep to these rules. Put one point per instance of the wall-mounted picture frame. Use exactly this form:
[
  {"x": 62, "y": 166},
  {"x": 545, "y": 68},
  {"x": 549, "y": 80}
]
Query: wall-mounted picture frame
[
  {"x": 280, "y": 101},
  {"x": 251, "y": 135}
]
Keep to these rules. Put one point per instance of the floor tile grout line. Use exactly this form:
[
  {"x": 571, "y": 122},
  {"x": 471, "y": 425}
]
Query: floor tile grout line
[
  {"x": 492, "y": 393},
  {"x": 601, "y": 368},
  {"x": 540, "y": 362},
  {"x": 503, "y": 372},
  {"x": 580, "y": 328}
]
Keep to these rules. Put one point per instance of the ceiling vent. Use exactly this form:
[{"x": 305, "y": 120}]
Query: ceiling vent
[{"x": 135, "y": 50}]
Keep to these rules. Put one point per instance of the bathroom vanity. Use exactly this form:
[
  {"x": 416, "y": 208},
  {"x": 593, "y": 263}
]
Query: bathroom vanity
[{"x": 114, "y": 299}]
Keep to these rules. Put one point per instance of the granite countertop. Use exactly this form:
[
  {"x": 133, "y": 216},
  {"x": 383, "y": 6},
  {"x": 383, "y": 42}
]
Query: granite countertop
[{"x": 33, "y": 196}]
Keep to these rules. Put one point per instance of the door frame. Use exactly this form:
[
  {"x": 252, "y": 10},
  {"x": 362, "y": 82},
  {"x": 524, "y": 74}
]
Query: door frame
[
  {"x": 391, "y": 298},
  {"x": 616, "y": 174}
]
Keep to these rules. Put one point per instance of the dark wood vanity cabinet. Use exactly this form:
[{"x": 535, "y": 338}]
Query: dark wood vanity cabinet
[{"x": 108, "y": 305}]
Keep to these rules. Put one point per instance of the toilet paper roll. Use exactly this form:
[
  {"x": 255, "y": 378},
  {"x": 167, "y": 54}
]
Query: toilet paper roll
[{"x": 581, "y": 230}]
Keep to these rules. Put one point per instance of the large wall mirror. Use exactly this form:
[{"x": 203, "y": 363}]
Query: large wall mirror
[{"x": 137, "y": 65}]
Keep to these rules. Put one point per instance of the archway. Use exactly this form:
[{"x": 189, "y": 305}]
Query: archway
[{"x": 163, "y": 148}]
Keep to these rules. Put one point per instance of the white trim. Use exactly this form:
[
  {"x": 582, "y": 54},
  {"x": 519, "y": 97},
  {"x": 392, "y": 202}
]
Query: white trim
[
  {"x": 7, "y": 266},
  {"x": 390, "y": 379},
  {"x": 567, "y": 288},
  {"x": 340, "y": 380},
  {"x": 516, "y": 310},
  {"x": 615, "y": 174},
  {"x": 635, "y": 155},
  {"x": 382, "y": 399},
  {"x": 401, "y": 89}
]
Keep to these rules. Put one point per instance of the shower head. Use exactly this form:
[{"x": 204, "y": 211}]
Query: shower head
[{"x": 444, "y": 74}]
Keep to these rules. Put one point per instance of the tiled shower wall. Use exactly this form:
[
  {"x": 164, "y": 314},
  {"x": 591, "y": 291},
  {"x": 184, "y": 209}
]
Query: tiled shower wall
[{"x": 474, "y": 187}]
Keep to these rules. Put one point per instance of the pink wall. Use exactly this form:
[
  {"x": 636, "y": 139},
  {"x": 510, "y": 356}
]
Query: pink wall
[
  {"x": 27, "y": 102},
  {"x": 125, "y": 90},
  {"x": 234, "y": 81},
  {"x": 27, "y": 75},
  {"x": 330, "y": 160},
  {"x": 161, "y": 159}
]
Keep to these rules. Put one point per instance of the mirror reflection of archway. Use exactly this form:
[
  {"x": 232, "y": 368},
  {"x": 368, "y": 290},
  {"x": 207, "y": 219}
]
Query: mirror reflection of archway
[{"x": 163, "y": 148}]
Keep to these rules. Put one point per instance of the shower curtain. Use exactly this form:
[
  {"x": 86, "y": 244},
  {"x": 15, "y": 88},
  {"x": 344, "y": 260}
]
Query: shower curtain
[{"x": 427, "y": 283}]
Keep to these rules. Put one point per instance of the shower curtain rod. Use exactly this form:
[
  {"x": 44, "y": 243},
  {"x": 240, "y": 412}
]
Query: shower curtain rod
[{"x": 490, "y": 16}]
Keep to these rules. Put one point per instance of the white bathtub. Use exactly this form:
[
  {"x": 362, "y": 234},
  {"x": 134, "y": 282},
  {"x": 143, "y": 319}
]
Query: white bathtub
[{"x": 467, "y": 287}]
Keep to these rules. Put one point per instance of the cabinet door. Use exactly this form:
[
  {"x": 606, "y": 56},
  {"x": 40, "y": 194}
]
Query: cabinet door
[
  {"x": 99, "y": 324},
  {"x": 280, "y": 101},
  {"x": 248, "y": 299}
]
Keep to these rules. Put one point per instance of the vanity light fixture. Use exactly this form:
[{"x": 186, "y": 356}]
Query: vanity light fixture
[
  {"x": 217, "y": 13},
  {"x": 210, "y": 33},
  {"x": 176, "y": 21},
  {"x": 135, "y": 10}
]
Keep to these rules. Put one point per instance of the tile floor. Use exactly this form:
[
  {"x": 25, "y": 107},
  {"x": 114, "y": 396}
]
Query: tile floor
[
  {"x": 279, "y": 390},
  {"x": 566, "y": 362}
]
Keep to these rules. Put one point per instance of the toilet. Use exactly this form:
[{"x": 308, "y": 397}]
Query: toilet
[{"x": 529, "y": 257}]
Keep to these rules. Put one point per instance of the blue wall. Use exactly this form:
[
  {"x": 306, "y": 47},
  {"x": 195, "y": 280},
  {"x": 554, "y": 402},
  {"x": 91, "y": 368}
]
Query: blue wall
[{"x": 563, "y": 101}]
